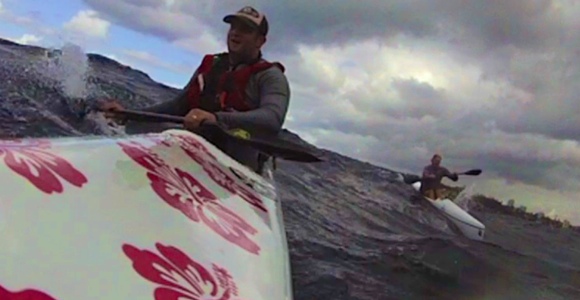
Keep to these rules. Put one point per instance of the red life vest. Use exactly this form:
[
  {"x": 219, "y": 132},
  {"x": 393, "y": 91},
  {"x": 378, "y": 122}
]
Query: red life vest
[{"x": 217, "y": 89}]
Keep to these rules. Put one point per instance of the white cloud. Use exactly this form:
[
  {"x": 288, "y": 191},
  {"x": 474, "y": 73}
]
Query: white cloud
[
  {"x": 173, "y": 85},
  {"x": 28, "y": 39},
  {"x": 38, "y": 33},
  {"x": 111, "y": 56},
  {"x": 150, "y": 59},
  {"x": 375, "y": 86},
  {"x": 88, "y": 23},
  {"x": 7, "y": 16},
  {"x": 167, "y": 20},
  {"x": 201, "y": 44},
  {"x": 143, "y": 56}
]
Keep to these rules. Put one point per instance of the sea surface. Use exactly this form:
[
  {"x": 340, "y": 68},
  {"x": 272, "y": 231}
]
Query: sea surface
[{"x": 353, "y": 232}]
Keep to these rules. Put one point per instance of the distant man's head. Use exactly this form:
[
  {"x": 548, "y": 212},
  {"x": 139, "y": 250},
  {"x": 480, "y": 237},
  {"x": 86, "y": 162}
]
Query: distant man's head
[{"x": 436, "y": 160}]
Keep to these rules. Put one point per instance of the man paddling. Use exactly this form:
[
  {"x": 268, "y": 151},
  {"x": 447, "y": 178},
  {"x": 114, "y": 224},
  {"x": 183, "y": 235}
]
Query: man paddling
[
  {"x": 237, "y": 89},
  {"x": 431, "y": 186}
]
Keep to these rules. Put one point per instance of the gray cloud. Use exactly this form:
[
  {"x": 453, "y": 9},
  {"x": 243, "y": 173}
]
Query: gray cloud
[
  {"x": 471, "y": 26},
  {"x": 419, "y": 99},
  {"x": 147, "y": 16}
]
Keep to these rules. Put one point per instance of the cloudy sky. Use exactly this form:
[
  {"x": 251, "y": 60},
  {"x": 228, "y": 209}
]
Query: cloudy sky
[{"x": 489, "y": 84}]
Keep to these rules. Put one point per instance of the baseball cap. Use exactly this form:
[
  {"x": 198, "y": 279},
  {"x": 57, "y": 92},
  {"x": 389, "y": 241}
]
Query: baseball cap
[{"x": 251, "y": 17}]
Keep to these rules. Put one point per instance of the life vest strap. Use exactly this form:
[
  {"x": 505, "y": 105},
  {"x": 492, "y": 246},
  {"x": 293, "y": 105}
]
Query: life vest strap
[{"x": 217, "y": 88}]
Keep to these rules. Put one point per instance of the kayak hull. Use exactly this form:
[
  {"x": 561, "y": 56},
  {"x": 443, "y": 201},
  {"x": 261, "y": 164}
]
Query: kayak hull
[
  {"x": 152, "y": 216},
  {"x": 466, "y": 223}
]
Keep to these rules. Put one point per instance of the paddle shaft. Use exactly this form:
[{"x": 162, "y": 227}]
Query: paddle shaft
[
  {"x": 144, "y": 116},
  {"x": 283, "y": 149},
  {"x": 411, "y": 178}
]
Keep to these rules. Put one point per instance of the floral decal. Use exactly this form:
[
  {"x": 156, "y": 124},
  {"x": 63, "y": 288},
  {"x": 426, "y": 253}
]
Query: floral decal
[
  {"x": 180, "y": 277},
  {"x": 27, "y": 294},
  {"x": 183, "y": 192},
  {"x": 198, "y": 152},
  {"x": 32, "y": 160}
]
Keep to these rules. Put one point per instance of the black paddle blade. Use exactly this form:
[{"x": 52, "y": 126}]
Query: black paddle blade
[
  {"x": 410, "y": 178},
  {"x": 473, "y": 172}
]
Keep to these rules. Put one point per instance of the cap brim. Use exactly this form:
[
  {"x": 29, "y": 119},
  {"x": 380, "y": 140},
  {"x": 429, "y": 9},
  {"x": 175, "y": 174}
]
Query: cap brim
[{"x": 229, "y": 18}]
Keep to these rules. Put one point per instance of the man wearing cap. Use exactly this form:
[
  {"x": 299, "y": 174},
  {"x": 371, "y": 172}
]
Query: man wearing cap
[
  {"x": 431, "y": 186},
  {"x": 237, "y": 89}
]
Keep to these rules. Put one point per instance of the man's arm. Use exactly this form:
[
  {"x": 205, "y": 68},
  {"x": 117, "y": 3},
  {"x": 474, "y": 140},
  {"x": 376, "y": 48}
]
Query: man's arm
[
  {"x": 448, "y": 174},
  {"x": 274, "y": 102},
  {"x": 178, "y": 106}
]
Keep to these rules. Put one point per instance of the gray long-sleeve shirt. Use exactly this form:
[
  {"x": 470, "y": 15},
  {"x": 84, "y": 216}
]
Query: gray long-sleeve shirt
[
  {"x": 268, "y": 94},
  {"x": 432, "y": 176}
]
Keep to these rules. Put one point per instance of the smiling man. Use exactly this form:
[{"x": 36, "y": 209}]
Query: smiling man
[{"x": 238, "y": 89}]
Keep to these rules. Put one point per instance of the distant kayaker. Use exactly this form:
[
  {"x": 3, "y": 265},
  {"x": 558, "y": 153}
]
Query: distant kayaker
[
  {"x": 431, "y": 186},
  {"x": 238, "y": 89}
]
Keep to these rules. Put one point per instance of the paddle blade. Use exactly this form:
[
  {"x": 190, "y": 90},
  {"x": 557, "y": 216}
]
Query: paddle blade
[
  {"x": 473, "y": 172},
  {"x": 410, "y": 178}
]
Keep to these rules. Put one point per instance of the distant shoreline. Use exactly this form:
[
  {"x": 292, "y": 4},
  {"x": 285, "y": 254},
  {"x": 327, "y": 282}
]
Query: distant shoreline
[
  {"x": 485, "y": 203},
  {"x": 489, "y": 204}
]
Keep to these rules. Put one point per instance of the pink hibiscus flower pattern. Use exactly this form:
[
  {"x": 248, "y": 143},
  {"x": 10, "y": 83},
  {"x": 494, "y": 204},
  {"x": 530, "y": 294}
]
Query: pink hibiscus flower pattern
[
  {"x": 198, "y": 152},
  {"x": 179, "y": 276},
  {"x": 33, "y": 161},
  {"x": 183, "y": 192},
  {"x": 27, "y": 294}
]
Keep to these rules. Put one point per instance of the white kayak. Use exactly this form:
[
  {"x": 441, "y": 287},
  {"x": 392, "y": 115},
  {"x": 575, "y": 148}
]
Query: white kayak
[
  {"x": 466, "y": 223},
  {"x": 156, "y": 216},
  {"x": 469, "y": 226}
]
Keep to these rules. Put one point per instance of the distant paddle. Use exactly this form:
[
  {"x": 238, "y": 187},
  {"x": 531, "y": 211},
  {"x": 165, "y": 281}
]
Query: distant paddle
[
  {"x": 273, "y": 146},
  {"x": 412, "y": 178},
  {"x": 473, "y": 172}
]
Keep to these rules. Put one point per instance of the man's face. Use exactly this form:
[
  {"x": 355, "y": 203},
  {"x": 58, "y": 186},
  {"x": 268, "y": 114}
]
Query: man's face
[
  {"x": 243, "y": 39},
  {"x": 436, "y": 160}
]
